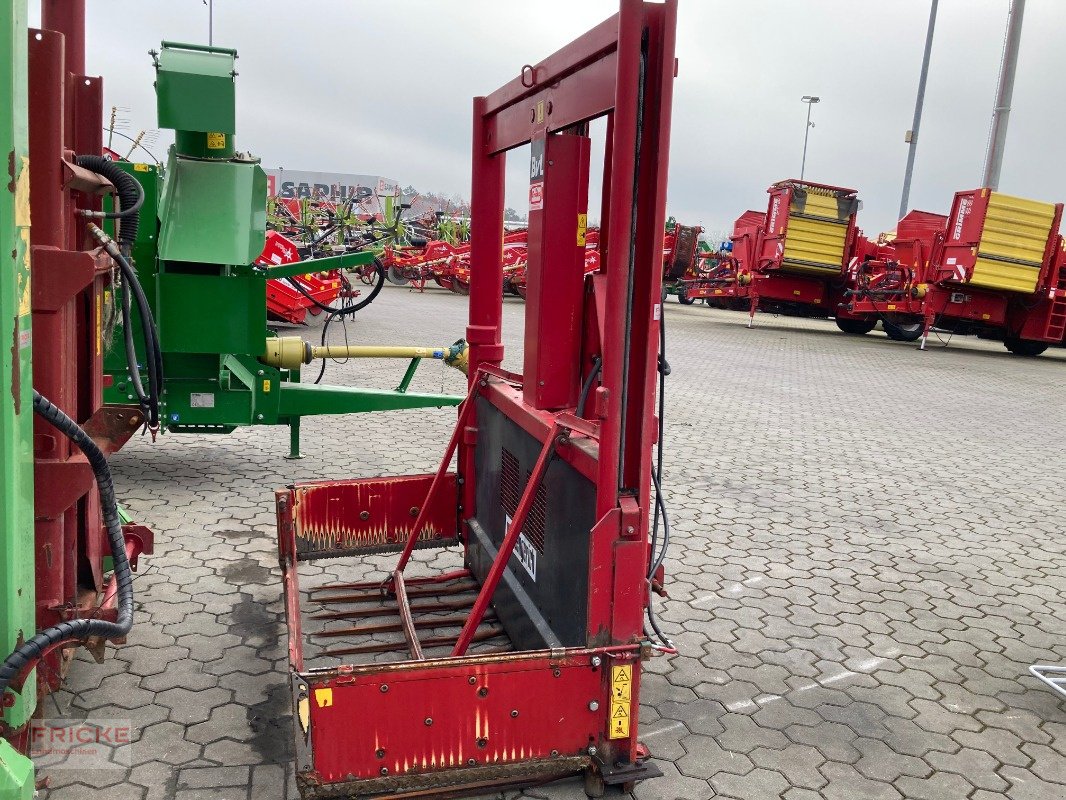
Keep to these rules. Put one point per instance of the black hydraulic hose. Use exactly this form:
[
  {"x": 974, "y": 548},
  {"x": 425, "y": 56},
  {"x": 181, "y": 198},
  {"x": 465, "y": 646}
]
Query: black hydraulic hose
[
  {"x": 343, "y": 310},
  {"x": 29, "y": 653},
  {"x": 131, "y": 354},
  {"x": 657, "y": 473},
  {"x": 325, "y": 327},
  {"x": 656, "y": 479},
  {"x": 597, "y": 365},
  {"x": 130, "y": 197},
  {"x": 152, "y": 349}
]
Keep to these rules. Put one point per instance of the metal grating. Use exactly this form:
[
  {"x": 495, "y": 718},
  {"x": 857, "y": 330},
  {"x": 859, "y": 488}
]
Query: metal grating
[
  {"x": 535, "y": 527},
  {"x": 511, "y": 492}
]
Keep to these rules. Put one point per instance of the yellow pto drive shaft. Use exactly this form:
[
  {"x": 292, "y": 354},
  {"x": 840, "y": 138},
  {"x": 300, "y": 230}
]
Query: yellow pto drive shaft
[{"x": 289, "y": 352}]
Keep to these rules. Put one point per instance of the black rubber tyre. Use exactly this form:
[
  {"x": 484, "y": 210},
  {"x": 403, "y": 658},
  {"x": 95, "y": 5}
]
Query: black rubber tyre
[
  {"x": 1024, "y": 347},
  {"x": 855, "y": 327},
  {"x": 684, "y": 299},
  {"x": 902, "y": 332}
]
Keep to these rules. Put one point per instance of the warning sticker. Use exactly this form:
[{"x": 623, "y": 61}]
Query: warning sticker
[
  {"x": 621, "y": 701},
  {"x": 216, "y": 141},
  {"x": 536, "y": 196},
  {"x": 582, "y": 226},
  {"x": 324, "y": 697}
]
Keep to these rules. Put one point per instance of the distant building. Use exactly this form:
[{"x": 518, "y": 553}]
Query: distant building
[{"x": 290, "y": 183}]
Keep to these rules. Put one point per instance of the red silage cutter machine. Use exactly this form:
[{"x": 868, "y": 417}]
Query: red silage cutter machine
[{"x": 520, "y": 663}]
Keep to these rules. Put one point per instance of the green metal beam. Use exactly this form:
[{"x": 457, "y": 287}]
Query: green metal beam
[
  {"x": 16, "y": 402},
  {"x": 345, "y": 261},
  {"x": 304, "y": 399}
]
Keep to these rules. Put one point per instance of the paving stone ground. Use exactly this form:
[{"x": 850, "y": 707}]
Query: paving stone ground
[{"x": 868, "y": 555}]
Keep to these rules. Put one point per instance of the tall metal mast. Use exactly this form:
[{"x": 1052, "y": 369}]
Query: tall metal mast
[{"x": 997, "y": 138}]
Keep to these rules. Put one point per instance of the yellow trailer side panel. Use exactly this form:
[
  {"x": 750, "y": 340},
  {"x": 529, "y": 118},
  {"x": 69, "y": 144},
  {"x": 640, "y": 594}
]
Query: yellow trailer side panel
[
  {"x": 1013, "y": 240},
  {"x": 814, "y": 243}
]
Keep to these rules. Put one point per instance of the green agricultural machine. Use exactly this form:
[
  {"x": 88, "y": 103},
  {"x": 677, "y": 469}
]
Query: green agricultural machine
[
  {"x": 16, "y": 428},
  {"x": 206, "y": 361},
  {"x": 150, "y": 300}
]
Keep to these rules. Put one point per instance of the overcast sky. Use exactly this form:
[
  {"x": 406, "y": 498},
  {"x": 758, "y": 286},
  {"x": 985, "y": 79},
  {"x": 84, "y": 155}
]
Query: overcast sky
[{"x": 385, "y": 87}]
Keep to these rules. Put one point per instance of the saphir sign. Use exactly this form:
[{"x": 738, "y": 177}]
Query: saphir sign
[{"x": 286, "y": 183}]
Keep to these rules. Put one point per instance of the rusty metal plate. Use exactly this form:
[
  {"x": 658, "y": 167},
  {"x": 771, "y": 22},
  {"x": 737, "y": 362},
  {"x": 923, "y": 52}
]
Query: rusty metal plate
[{"x": 371, "y": 515}]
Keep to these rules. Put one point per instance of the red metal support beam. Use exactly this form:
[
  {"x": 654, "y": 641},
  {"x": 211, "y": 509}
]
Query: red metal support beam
[{"x": 465, "y": 412}]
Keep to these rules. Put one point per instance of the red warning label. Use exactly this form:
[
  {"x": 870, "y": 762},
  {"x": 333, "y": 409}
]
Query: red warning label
[{"x": 536, "y": 196}]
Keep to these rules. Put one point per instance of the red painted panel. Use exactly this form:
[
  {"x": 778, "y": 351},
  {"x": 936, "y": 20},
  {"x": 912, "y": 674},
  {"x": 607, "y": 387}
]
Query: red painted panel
[{"x": 435, "y": 717}]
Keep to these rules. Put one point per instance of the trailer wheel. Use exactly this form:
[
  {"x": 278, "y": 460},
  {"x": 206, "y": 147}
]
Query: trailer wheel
[
  {"x": 1024, "y": 347},
  {"x": 902, "y": 331},
  {"x": 684, "y": 299},
  {"x": 395, "y": 276},
  {"x": 856, "y": 327}
]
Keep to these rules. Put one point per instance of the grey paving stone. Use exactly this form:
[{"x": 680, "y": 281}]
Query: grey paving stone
[
  {"x": 857, "y": 587},
  {"x": 213, "y": 777}
]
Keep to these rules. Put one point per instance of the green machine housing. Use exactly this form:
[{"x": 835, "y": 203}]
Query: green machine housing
[{"x": 203, "y": 224}]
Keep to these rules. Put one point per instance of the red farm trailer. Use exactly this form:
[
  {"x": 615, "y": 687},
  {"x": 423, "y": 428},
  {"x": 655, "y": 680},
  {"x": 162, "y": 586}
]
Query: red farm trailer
[
  {"x": 794, "y": 259},
  {"x": 689, "y": 271},
  {"x": 292, "y": 298},
  {"x": 993, "y": 267},
  {"x": 520, "y": 661}
]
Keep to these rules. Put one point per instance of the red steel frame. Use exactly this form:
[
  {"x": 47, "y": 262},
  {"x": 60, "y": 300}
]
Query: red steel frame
[
  {"x": 69, "y": 277},
  {"x": 475, "y": 721}
]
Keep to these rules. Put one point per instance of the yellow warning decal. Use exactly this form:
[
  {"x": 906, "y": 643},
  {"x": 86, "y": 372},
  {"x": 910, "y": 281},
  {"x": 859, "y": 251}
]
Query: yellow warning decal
[
  {"x": 324, "y": 697},
  {"x": 540, "y": 111},
  {"x": 621, "y": 701},
  {"x": 619, "y": 721},
  {"x": 582, "y": 226},
  {"x": 216, "y": 141},
  {"x": 146, "y": 168},
  {"x": 266, "y": 386}
]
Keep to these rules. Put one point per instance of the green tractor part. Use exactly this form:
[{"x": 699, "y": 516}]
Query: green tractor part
[
  {"x": 203, "y": 224},
  {"x": 17, "y": 620}
]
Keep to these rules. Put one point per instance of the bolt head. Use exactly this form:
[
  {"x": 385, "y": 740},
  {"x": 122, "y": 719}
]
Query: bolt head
[
  {"x": 596, "y": 661},
  {"x": 592, "y": 750},
  {"x": 594, "y": 705}
]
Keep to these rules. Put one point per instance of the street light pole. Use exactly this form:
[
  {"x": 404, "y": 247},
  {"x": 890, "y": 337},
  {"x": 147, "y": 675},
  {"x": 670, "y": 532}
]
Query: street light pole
[
  {"x": 997, "y": 137},
  {"x": 810, "y": 100},
  {"x": 912, "y": 134}
]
